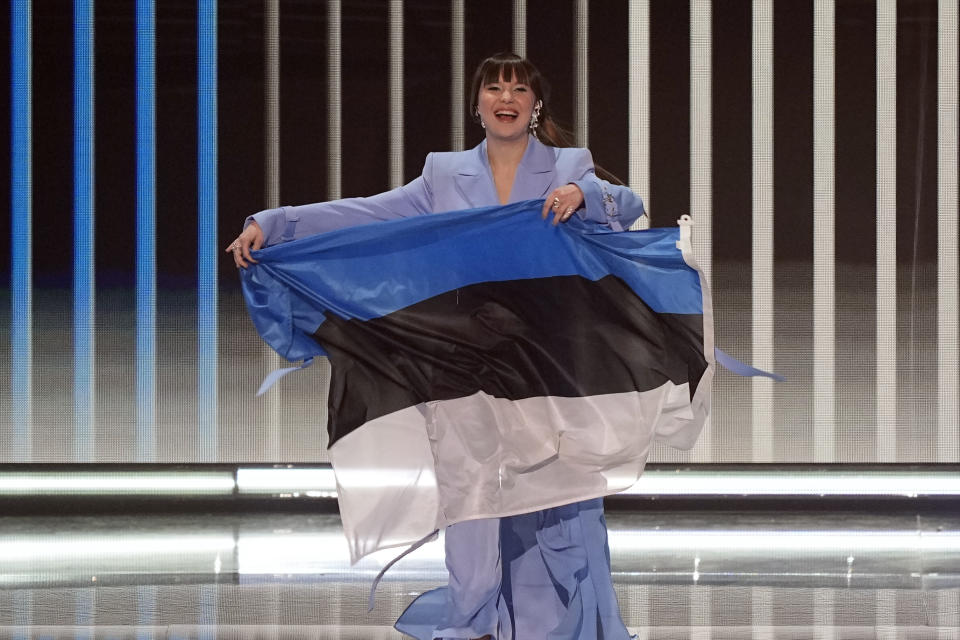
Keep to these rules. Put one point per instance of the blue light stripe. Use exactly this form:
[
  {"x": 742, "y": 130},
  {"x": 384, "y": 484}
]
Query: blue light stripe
[
  {"x": 146, "y": 346},
  {"x": 21, "y": 222},
  {"x": 86, "y": 613},
  {"x": 146, "y": 611},
  {"x": 208, "y": 612},
  {"x": 207, "y": 251},
  {"x": 84, "y": 277}
]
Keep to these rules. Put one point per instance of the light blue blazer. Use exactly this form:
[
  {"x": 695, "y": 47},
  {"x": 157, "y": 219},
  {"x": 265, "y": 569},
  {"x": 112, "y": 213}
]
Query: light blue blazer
[{"x": 462, "y": 180}]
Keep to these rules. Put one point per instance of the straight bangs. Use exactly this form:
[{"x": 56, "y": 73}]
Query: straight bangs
[{"x": 510, "y": 70}]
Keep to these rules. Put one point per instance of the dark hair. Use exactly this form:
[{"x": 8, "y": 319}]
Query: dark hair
[{"x": 513, "y": 68}]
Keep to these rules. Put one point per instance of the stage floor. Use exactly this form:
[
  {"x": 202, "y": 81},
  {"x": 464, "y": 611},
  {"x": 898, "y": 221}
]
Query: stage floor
[{"x": 678, "y": 574}]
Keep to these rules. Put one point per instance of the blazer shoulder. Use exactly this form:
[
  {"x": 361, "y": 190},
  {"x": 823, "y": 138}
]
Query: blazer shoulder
[
  {"x": 573, "y": 154},
  {"x": 574, "y": 162},
  {"x": 453, "y": 162}
]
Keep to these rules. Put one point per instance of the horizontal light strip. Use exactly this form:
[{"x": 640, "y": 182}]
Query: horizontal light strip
[
  {"x": 46, "y": 548},
  {"x": 296, "y": 553},
  {"x": 673, "y": 483},
  {"x": 320, "y": 482},
  {"x": 315, "y": 482},
  {"x": 283, "y": 553},
  {"x": 781, "y": 541},
  {"x": 838, "y": 483},
  {"x": 186, "y": 483},
  {"x": 387, "y": 632}
]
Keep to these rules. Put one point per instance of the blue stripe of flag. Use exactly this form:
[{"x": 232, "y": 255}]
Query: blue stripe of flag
[{"x": 373, "y": 270}]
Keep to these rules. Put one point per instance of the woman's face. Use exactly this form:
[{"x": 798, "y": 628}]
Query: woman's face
[{"x": 505, "y": 108}]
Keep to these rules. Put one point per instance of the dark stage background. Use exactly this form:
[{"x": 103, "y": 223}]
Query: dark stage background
[{"x": 168, "y": 379}]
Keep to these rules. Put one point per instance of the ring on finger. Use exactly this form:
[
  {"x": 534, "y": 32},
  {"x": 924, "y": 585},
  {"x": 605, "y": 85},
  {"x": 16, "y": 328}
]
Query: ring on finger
[
  {"x": 556, "y": 203},
  {"x": 568, "y": 211}
]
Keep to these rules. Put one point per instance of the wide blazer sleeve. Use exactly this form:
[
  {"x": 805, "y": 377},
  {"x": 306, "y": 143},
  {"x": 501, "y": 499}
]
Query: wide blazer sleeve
[
  {"x": 457, "y": 180},
  {"x": 614, "y": 205},
  {"x": 283, "y": 224}
]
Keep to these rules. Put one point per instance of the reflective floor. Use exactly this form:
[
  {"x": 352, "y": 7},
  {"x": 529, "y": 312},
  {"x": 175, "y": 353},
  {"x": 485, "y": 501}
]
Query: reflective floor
[{"x": 680, "y": 574}]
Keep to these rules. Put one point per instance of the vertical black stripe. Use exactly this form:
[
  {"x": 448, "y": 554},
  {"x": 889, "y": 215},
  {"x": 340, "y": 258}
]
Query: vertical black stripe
[
  {"x": 856, "y": 195},
  {"x": 426, "y": 83},
  {"x": 793, "y": 224},
  {"x": 916, "y": 226},
  {"x": 609, "y": 87},
  {"x": 669, "y": 110},
  {"x": 550, "y": 43},
  {"x": 365, "y": 101},
  {"x": 303, "y": 102},
  {"x": 732, "y": 132}
]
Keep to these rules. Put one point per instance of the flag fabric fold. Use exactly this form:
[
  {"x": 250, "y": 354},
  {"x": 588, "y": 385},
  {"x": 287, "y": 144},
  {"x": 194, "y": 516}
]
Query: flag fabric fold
[{"x": 486, "y": 363}]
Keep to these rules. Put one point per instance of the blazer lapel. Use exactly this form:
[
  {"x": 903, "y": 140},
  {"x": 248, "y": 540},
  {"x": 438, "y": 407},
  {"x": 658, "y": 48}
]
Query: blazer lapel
[
  {"x": 535, "y": 174},
  {"x": 472, "y": 178}
]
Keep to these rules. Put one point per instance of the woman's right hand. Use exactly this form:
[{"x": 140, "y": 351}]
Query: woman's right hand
[{"x": 250, "y": 239}]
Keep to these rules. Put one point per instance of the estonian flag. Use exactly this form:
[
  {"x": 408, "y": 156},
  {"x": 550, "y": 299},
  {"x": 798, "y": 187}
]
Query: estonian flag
[{"x": 487, "y": 363}]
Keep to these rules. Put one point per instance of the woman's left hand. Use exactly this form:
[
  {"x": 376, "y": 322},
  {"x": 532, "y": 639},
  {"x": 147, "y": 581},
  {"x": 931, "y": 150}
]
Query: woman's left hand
[{"x": 563, "y": 201}]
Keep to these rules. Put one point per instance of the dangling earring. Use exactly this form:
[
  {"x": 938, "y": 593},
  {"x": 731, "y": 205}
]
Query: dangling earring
[
  {"x": 535, "y": 117},
  {"x": 476, "y": 112}
]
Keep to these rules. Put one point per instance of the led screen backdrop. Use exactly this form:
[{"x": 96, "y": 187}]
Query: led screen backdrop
[{"x": 813, "y": 141}]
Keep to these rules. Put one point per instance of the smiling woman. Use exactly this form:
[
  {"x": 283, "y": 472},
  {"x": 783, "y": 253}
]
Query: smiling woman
[
  {"x": 506, "y": 78},
  {"x": 532, "y": 575}
]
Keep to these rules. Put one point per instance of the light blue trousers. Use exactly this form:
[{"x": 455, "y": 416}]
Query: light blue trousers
[{"x": 538, "y": 576}]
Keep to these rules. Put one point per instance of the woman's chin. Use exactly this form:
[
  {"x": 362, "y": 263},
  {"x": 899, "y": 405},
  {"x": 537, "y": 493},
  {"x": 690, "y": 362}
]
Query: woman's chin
[{"x": 507, "y": 133}]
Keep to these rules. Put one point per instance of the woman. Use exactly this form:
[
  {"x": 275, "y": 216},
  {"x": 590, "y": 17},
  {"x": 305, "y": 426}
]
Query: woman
[{"x": 538, "y": 575}]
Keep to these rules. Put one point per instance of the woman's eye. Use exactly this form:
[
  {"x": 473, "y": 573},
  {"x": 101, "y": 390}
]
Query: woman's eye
[
  {"x": 522, "y": 89},
  {"x": 493, "y": 87}
]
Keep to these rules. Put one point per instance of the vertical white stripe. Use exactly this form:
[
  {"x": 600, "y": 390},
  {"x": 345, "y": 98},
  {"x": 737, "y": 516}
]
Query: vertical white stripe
[
  {"x": 761, "y": 598},
  {"x": 824, "y": 254},
  {"x": 639, "y": 90},
  {"x": 334, "y": 115},
  {"x": 948, "y": 600},
  {"x": 520, "y": 27},
  {"x": 886, "y": 390},
  {"x": 701, "y": 611},
  {"x": 948, "y": 354},
  {"x": 22, "y": 614},
  {"x": 700, "y": 158},
  {"x": 886, "y": 616},
  {"x": 581, "y": 88},
  {"x": 824, "y": 29},
  {"x": 395, "y": 90},
  {"x": 823, "y": 606},
  {"x": 271, "y": 188},
  {"x": 457, "y": 102},
  {"x": 762, "y": 251},
  {"x": 640, "y": 600},
  {"x": 271, "y": 104}
]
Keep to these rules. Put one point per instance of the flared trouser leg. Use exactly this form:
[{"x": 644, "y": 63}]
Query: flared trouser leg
[
  {"x": 471, "y": 606},
  {"x": 572, "y": 540},
  {"x": 538, "y": 576}
]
